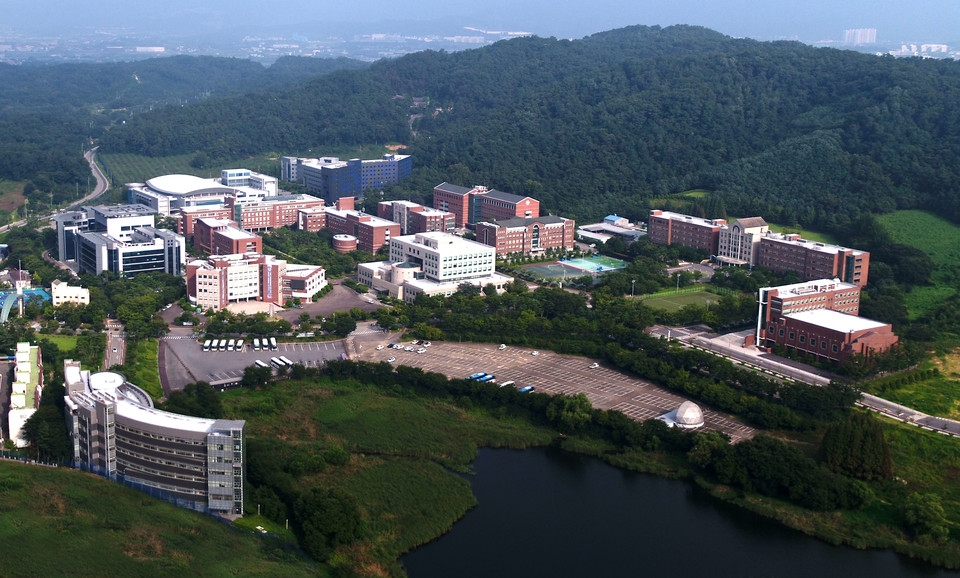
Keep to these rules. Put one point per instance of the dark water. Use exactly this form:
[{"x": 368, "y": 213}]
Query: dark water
[{"x": 544, "y": 512}]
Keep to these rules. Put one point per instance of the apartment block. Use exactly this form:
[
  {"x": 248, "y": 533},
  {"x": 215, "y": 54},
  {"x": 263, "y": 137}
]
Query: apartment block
[
  {"x": 668, "y": 228},
  {"x": 116, "y": 432},
  {"x": 813, "y": 260},
  {"x": 527, "y": 235}
]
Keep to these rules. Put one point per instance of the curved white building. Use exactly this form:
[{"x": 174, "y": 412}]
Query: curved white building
[
  {"x": 687, "y": 416},
  {"x": 169, "y": 193},
  {"x": 116, "y": 432}
]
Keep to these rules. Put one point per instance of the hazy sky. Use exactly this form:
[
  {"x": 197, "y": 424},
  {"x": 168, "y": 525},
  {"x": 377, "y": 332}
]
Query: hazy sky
[{"x": 808, "y": 20}]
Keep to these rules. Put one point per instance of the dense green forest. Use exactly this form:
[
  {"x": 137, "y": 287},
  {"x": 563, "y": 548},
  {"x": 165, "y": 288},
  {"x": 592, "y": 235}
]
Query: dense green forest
[
  {"x": 801, "y": 135},
  {"x": 50, "y": 114}
]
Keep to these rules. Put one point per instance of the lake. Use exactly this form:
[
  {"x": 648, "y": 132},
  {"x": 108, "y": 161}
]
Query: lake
[{"x": 545, "y": 512}]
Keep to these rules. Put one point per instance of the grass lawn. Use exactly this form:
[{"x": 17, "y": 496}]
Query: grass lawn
[
  {"x": 11, "y": 195},
  {"x": 61, "y": 519},
  {"x": 142, "y": 367},
  {"x": 806, "y": 234},
  {"x": 676, "y": 302},
  {"x": 938, "y": 238},
  {"x": 64, "y": 342}
]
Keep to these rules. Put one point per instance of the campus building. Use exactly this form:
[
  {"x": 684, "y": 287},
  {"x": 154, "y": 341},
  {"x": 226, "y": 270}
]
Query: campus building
[
  {"x": 530, "y": 236},
  {"x": 471, "y": 205},
  {"x": 118, "y": 238},
  {"x": 433, "y": 264},
  {"x": 820, "y": 318},
  {"x": 739, "y": 241},
  {"x": 813, "y": 260},
  {"x": 61, "y": 293},
  {"x": 221, "y": 280},
  {"x": 168, "y": 194},
  {"x": 371, "y": 232},
  {"x": 611, "y": 226},
  {"x": 188, "y": 217},
  {"x": 414, "y": 218},
  {"x": 332, "y": 179},
  {"x": 222, "y": 237},
  {"x": 273, "y": 212},
  {"x": 668, "y": 228},
  {"x": 25, "y": 391},
  {"x": 116, "y": 432}
]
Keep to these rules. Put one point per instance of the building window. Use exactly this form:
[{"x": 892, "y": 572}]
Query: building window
[
  {"x": 781, "y": 333},
  {"x": 792, "y": 335},
  {"x": 823, "y": 344},
  {"x": 803, "y": 339}
]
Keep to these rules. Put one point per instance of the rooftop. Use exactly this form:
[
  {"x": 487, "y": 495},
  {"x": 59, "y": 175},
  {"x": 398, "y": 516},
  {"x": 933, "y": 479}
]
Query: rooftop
[
  {"x": 688, "y": 219},
  {"x": 810, "y": 287},
  {"x": 527, "y": 221},
  {"x": 502, "y": 196},
  {"x": 179, "y": 185},
  {"x": 836, "y": 321},
  {"x": 455, "y": 189},
  {"x": 117, "y": 211},
  {"x": 236, "y": 234},
  {"x": 811, "y": 245}
]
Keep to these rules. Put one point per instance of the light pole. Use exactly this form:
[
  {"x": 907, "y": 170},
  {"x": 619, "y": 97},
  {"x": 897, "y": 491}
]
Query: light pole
[
  {"x": 633, "y": 283},
  {"x": 678, "y": 282}
]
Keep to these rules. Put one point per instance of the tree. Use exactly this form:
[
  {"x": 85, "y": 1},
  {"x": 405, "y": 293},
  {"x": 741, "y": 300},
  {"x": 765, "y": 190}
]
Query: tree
[
  {"x": 327, "y": 519},
  {"x": 254, "y": 376},
  {"x": 571, "y": 413},
  {"x": 344, "y": 325},
  {"x": 925, "y": 517},
  {"x": 856, "y": 447}
]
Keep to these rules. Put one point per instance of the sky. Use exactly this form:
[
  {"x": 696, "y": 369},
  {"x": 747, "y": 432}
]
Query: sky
[{"x": 808, "y": 20}]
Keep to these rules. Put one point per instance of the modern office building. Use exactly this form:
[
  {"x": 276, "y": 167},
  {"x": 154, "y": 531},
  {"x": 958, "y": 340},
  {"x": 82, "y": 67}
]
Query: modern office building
[
  {"x": 217, "y": 282},
  {"x": 611, "y": 226},
  {"x": 813, "y": 260},
  {"x": 25, "y": 391},
  {"x": 222, "y": 237},
  {"x": 669, "y": 228},
  {"x": 821, "y": 318},
  {"x": 433, "y": 264},
  {"x": 527, "y": 235},
  {"x": 169, "y": 194},
  {"x": 247, "y": 179},
  {"x": 331, "y": 178},
  {"x": 116, "y": 432},
  {"x": 471, "y": 205},
  {"x": 116, "y": 221},
  {"x": 61, "y": 293},
  {"x": 415, "y": 218}
]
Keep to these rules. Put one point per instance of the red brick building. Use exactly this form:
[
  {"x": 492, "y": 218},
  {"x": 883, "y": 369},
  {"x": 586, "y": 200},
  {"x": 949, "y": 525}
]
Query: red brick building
[
  {"x": 472, "y": 205},
  {"x": 820, "y": 318},
  {"x": 272, "y": 212},
  {"x": 222, "y": 237},
  {"x": 414, "y": 218},
  {"x": 190, "y": 215},
  {"x": 812, "y": 260},
  {"x": 527, "y": 235},
  {"x": 371, "y": 232},
  {"x": 668, "y": 228}
]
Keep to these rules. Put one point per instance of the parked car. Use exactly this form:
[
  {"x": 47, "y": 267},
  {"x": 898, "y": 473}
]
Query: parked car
[
  {"x": 534, "y": 353},
  {"x": 502, "y": 346},
  {"x": 379, "y": 347},
  {"x": 594, "y": 366},
  {"x": 391, "y": 360}
]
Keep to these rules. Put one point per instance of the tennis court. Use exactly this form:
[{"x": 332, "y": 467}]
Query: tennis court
[{"x": 595, "y": 264}]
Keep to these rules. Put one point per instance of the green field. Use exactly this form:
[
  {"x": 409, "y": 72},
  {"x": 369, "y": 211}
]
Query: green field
[
  {"x": 142, "y": 367},
  {"x": 64, "y": 342},
  {"x": 808, "y": 235},
  {"x": 676, "y": 302},
  {"x": 67, "y": 522},
  {"x": 938, "y": 238}
]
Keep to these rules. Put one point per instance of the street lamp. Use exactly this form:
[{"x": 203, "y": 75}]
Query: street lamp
[
  {"x": 633, "y": 283},
  {"x": 678, "y": 282}
]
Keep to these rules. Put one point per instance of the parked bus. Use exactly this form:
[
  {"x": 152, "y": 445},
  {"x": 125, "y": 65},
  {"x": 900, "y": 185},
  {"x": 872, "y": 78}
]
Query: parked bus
[
  {"x": 239, "y": 345},
  {"x": 261, "y": 363},
  {"x": 256, "y": 344},
  {"x": 488, "y": 377},
  {"x": 276, "y": 362},
  {"x": 206, "y": 345},
  {"x": 230, "y": 345},
  {"x": 273, "y": 343},
  {"x": 477, "y": 375},
  {"x": 285, "y": 360},
  {"x": 223, "y": 345}
]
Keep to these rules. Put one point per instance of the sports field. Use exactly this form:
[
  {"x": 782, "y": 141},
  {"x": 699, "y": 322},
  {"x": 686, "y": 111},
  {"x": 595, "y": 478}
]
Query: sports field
[
  {"x": 597, "y": 263},
  {"x": 553, "y": 271},
  {"x": 676, "y": 302}
]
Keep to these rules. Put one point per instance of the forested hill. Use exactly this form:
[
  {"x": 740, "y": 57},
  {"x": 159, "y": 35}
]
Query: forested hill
[
  {"x": 49, "y": 112},
  {"x": 603, "y": 124}
]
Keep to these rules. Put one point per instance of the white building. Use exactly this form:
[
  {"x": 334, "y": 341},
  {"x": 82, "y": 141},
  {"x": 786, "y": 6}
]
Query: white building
[
  {"x": 61, "y": 293},
  {"x": 168, "y": 194},
  {"x": 740, "y": 239},
  {"x": 434, "y": 264},
  {"x": 26, "y": 390}
]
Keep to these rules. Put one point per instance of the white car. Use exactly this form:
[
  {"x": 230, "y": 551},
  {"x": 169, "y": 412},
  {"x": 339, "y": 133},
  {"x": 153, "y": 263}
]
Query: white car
[
  {"x": 408, "y": 348},
  {"x": 534, "y": 353},
  {"x": 502, "y": 346},
  {"x": 594, "y": 366},
  {"x": 422, "y": 350},
  {"x": 379, "y": 347},
  {"x": 426, "y": 344},
  {"x": 391, "y": 360}
]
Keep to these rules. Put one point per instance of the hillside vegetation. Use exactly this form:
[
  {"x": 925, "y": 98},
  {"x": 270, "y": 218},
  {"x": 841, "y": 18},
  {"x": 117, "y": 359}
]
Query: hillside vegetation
[{"x": 798, "y": 134}]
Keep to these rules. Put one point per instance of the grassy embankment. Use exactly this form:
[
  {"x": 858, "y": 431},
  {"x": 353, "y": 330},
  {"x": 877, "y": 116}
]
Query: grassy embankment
[
  {"x": 58, "y": 521},
  {"x": 142, "y": 367},
  {"x": 64, "y": 342},
  {"x": 938, "y": 238}
]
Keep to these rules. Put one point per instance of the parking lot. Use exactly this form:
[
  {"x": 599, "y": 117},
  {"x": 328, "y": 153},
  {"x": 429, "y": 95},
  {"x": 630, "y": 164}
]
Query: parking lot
[
  {"x": 552, "y": 373},
  {"x": 186, "y": 361}
]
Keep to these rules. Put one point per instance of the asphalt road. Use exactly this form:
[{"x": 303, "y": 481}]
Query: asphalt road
[{"x": 548, "y": 372}]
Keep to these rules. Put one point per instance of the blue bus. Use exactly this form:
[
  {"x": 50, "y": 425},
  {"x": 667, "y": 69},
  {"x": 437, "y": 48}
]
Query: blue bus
[
  {"x": 477, "y": 375},
  {"x": 526, "y": 389},
  {"x": 488, "y": 377}
]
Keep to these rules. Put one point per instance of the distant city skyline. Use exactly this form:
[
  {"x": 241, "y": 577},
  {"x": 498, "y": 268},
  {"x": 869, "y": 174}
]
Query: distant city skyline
[{"x": 810, "y": 21}]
